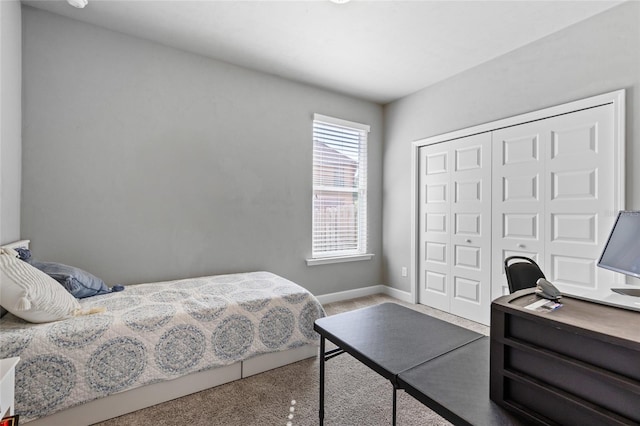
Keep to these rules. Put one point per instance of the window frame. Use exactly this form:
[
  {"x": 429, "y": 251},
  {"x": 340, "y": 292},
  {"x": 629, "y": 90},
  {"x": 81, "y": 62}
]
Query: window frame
[{"x": 361, "y": 221}]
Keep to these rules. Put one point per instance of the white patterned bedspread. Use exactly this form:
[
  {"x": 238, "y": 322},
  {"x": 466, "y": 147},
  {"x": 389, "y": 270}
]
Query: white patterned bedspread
[{"x": 154, "y": 332}]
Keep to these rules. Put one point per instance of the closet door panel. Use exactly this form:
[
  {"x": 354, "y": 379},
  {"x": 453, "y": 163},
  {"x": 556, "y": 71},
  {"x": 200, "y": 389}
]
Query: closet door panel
[
  {"x": 471, "y": 231},
  {"x": 553, "y": 197},
  {"x": 455, "y": 242},
  {"x": 580, "y": 179},
  {"x": 434, "y": 210},
  {"x": 518, "y": 198}
]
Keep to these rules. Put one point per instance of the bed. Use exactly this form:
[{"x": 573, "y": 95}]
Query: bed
[{"x": 156, "y": 342}]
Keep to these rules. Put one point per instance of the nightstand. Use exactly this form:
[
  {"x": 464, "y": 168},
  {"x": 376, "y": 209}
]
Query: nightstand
[{"x": 7, "y": 385}]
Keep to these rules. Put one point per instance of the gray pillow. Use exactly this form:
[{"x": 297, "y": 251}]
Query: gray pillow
[
  {"x": 24, "y": 254},
  {"x": 77, "y": 282}
]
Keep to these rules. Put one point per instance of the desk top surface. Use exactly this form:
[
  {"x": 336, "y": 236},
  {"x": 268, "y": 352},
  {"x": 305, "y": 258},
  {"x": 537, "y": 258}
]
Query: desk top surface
[
  {"x": 391, "y": 338},
  {"x": 459, "y": 381},
  {"x": 591, "y": 317}
]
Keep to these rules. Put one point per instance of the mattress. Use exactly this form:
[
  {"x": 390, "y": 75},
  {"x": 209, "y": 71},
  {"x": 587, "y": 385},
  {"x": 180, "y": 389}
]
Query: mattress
[{"x": 154, "y": 332}]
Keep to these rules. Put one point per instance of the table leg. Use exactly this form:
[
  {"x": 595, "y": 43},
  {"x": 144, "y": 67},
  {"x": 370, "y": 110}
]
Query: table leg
[
  {"x": 393, "y": 421},
  {"x": 322, "y": 360}
]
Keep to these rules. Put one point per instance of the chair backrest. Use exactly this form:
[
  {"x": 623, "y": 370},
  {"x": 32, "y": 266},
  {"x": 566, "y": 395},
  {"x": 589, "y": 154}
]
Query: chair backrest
[{"x": 521, "y": 274}]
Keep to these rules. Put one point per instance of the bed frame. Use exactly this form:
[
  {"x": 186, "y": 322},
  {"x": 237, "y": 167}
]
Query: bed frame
[
  {"x": 145, "y": 396},
  {"x": 136, "y": 399},
  {"x": 17, "y": 244}
]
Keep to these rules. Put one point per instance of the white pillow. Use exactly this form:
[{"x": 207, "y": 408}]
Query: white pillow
[{"x": 31, "y": 294}]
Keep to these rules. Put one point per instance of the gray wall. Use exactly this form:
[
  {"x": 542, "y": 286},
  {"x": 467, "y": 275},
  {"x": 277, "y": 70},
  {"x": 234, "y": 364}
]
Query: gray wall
[
  {"x": 144, "y": 163},
  {"x": 596, "y": 56},
  {"x": 10, "y": 119}
]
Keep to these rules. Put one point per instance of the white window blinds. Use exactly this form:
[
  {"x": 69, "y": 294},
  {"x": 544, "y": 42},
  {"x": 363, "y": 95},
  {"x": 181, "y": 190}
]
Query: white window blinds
[{"x": 339, "y": 187}]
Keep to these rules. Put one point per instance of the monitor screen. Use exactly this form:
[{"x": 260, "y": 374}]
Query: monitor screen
[{"x": 622, "y": 251}]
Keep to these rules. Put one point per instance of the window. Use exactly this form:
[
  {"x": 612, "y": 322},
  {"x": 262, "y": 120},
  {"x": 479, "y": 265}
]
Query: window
[{"x": 339, "y": 188}]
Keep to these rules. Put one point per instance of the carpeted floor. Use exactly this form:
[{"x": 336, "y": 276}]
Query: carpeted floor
[{"x": 355, "y": 395}]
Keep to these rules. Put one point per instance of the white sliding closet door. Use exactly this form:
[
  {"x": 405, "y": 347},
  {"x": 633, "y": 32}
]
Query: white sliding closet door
[
  {"x": 455, "y": 207},
  {"x": 554, "y": 186},
  {"x": 435, "y": 238},
  {"x": 518, "y": 206},
  {"x": 545, "y": 185},
  {"x": 580, "y": 210},
  {"x": 471, "y": 228}
]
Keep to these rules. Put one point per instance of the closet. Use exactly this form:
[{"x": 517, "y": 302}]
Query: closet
[{"x": 545, "y": 185}]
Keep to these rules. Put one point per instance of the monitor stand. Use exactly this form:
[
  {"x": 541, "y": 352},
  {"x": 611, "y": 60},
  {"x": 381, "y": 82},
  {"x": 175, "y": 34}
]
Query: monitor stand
[{"x": 627, "y": 291}]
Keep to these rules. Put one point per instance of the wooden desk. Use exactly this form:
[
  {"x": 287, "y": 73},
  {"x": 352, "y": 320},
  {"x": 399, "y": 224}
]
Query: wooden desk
[{"x": 579, "y": 364}]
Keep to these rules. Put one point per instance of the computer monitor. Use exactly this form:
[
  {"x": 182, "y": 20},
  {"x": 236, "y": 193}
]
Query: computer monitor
[{"x": 621, "y": 253}]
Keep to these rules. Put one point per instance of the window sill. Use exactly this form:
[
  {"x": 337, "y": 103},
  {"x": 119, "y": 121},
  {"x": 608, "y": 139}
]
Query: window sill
[{"x": 339, "y": 259}]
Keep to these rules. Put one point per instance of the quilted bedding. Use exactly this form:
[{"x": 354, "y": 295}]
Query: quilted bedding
[{"x": 154, "y": 332}]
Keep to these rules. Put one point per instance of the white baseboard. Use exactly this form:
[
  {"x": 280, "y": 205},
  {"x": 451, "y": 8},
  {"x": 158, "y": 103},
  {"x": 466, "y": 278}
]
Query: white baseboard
[
  {"x": 350, "y": 294},
  {"x": 405, "y": 296}
]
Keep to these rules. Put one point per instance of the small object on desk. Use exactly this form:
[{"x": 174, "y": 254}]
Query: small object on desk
[
  {"x": 547, "y": 290},
  {"x": 543, "y": 305}
]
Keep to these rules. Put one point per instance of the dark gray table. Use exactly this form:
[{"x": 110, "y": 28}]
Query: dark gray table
[
  {"x": 390, "y": 339},
  {"x": 456, "y": 386}
]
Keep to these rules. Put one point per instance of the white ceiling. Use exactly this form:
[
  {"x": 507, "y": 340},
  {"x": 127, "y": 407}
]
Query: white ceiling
[{"x": 375, "y": 50}]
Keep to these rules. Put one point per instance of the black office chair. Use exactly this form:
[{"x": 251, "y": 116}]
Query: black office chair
[{"x": 523, "y": 274}]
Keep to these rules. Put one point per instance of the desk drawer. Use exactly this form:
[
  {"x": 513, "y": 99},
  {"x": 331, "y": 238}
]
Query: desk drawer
[
  {"x": 578, "y": 381},
  {"x": 543, "y": 402},
  {"x": 605, "y": 355}
]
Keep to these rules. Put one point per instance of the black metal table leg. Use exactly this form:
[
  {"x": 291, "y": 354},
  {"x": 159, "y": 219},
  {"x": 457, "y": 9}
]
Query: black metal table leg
[
  {"x": 393, "y": 421},
  {"x": 322, "y": 360}
]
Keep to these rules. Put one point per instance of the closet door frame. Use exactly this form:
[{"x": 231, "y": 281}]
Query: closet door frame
[{"x": 616, "y": 98}]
